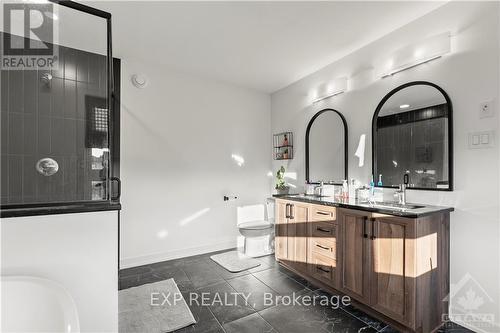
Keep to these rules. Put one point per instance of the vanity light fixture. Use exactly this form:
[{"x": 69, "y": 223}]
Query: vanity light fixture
[
  {"x": 327, "y": 96},
  {"x": 415, "y": 64},
  {"x": 417, "y": 54},
  {"x": 404, "y": 106},
  {"x": 336, "y": 87}
]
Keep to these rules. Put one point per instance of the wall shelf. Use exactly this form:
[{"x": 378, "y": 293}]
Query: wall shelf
[{"x": 283, "y": 146}]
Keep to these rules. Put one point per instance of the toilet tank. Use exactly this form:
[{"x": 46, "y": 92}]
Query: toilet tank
[
  {"x": 259, "y": 212},
  {"x": 270, "y": 211}
]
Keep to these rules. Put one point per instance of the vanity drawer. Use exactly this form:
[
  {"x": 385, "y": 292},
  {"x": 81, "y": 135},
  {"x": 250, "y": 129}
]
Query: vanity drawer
[
  {"x": 323, "y": 213},
  {"x": 322, "y": 268},
  {"x": 323, "y": 230},
  {"x": 324, "y": 246}
]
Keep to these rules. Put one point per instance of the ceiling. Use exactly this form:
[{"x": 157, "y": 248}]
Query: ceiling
[{"x": 259, "y": 45}]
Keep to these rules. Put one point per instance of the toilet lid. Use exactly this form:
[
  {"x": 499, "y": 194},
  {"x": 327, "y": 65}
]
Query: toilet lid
[{"x": 255, "y": 225}]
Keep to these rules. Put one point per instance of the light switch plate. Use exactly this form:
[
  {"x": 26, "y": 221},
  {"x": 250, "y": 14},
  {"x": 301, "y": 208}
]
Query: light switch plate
[
  {"x": 475, "y": 139},
  {"x": 486, "y": 109},
  {"x": 480, "y": 140}
]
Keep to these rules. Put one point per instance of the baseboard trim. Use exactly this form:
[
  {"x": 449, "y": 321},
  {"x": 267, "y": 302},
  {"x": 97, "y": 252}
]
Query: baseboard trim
[{"x": 175, "y": 254}]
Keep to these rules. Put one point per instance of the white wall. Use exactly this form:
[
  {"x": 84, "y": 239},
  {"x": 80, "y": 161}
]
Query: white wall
[
  {"x": 177, "y": 138},
  {"x": 79, "y": 251},
  {"x": 470, "y": 75}
]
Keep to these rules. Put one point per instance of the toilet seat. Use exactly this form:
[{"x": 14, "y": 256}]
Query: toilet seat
[
  {"x": 256, "y": 229},
  {"x": 255, "y": 225}
]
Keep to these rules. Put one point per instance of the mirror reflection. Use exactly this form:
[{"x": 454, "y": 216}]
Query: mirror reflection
[
  {"x": 326, "y": 141},
  {"x": 412, "y": 136}
]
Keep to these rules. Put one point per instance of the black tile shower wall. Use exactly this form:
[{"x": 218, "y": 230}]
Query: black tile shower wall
[
  {"x": 420, "y": 145},
  {"x": 48, "y": 119}
]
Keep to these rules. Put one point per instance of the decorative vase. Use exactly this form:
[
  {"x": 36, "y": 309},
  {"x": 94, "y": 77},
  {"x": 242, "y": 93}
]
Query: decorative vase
[{"x": 283, "y": 190}]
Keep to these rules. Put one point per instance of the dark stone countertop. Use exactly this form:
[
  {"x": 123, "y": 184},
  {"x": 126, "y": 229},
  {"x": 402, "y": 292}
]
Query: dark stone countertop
[{"x": 422, "y": 210}]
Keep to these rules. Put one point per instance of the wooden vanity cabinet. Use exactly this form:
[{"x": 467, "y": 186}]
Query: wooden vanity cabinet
[
  {"x": 322, "y": 244},
  {"x": 291, "y": 234},
  {"x": 376, "y": 261},
  {"x": 395, "y": 268},
  {"x": 280, "y": 230},
  {"x": 392, "y": 267},
  {"x": 297, "y": 236},
  {"x": 354, "y": 254}
]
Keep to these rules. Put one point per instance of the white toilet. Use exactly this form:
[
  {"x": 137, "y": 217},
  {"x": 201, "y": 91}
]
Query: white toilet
[{"x": 256, "y": 229}]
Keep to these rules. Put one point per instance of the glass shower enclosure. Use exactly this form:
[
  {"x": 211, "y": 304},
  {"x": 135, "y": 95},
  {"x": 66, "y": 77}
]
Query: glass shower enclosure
[{"x": 57, "y": 111}]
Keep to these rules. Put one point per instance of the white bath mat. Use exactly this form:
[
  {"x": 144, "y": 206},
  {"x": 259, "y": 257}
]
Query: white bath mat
[
  {"x": 153, "y": 308},
  {"x": 235, "y": 261}
]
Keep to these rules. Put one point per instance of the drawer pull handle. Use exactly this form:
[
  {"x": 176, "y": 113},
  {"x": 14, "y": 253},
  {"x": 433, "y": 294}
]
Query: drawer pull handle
[
  {"x": 324, "y": 230},
  {"x": 323, "y": 213},
  {"x": 323, "y": 247},
  {"x": 319, "y": 268},
  {"x": 365, "y": 235},
  {"x": 373, "y": 229}
]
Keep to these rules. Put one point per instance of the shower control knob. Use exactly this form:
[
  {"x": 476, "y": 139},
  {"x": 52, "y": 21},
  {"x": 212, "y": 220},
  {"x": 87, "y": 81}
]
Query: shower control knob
[{"x": 47, "y": 166}]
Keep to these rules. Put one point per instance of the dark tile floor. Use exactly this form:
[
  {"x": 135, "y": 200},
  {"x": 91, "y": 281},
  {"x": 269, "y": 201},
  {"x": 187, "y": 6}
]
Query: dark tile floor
[{"x": 200, "y": 275}]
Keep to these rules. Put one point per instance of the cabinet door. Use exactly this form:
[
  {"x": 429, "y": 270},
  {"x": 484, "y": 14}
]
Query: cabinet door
[
  {"x": 297, "y": 236},
  {"x": 392, "y": 289},
  {"x": 281, "y": 232},
  {"x": 354, "y": 259}
]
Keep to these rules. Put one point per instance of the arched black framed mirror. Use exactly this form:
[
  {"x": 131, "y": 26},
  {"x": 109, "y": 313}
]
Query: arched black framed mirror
[
  {"x": 412, "y": 133},
  {"x": 326, "y": 148}
]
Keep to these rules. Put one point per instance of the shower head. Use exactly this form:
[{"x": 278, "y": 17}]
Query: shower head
[{"x": 46, "y": 78}]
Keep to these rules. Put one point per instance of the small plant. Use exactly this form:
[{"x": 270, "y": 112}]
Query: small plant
[{"x": 281, "y": 186}]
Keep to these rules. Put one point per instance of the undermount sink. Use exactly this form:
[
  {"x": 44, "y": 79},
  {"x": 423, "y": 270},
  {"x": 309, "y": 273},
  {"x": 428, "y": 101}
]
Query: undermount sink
[
  {"x": 304, "y": 195},
  {"x": 395, "y": 205},
  {"x": 388, "y": 205}
]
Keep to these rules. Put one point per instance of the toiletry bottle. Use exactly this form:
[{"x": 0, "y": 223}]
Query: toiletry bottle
[
  {"x": 345, "y": 189},
  {"x": 352, "y": 189},
  {"x": 379, "y": 180},
  {"x": 285, "y": 140},
  {"x": 309, "y": 189},
  {"x": 372, "y": 187}
]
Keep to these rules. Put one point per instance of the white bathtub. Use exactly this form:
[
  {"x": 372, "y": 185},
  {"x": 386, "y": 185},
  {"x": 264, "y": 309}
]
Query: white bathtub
[{"x": 31, "y": 304}]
